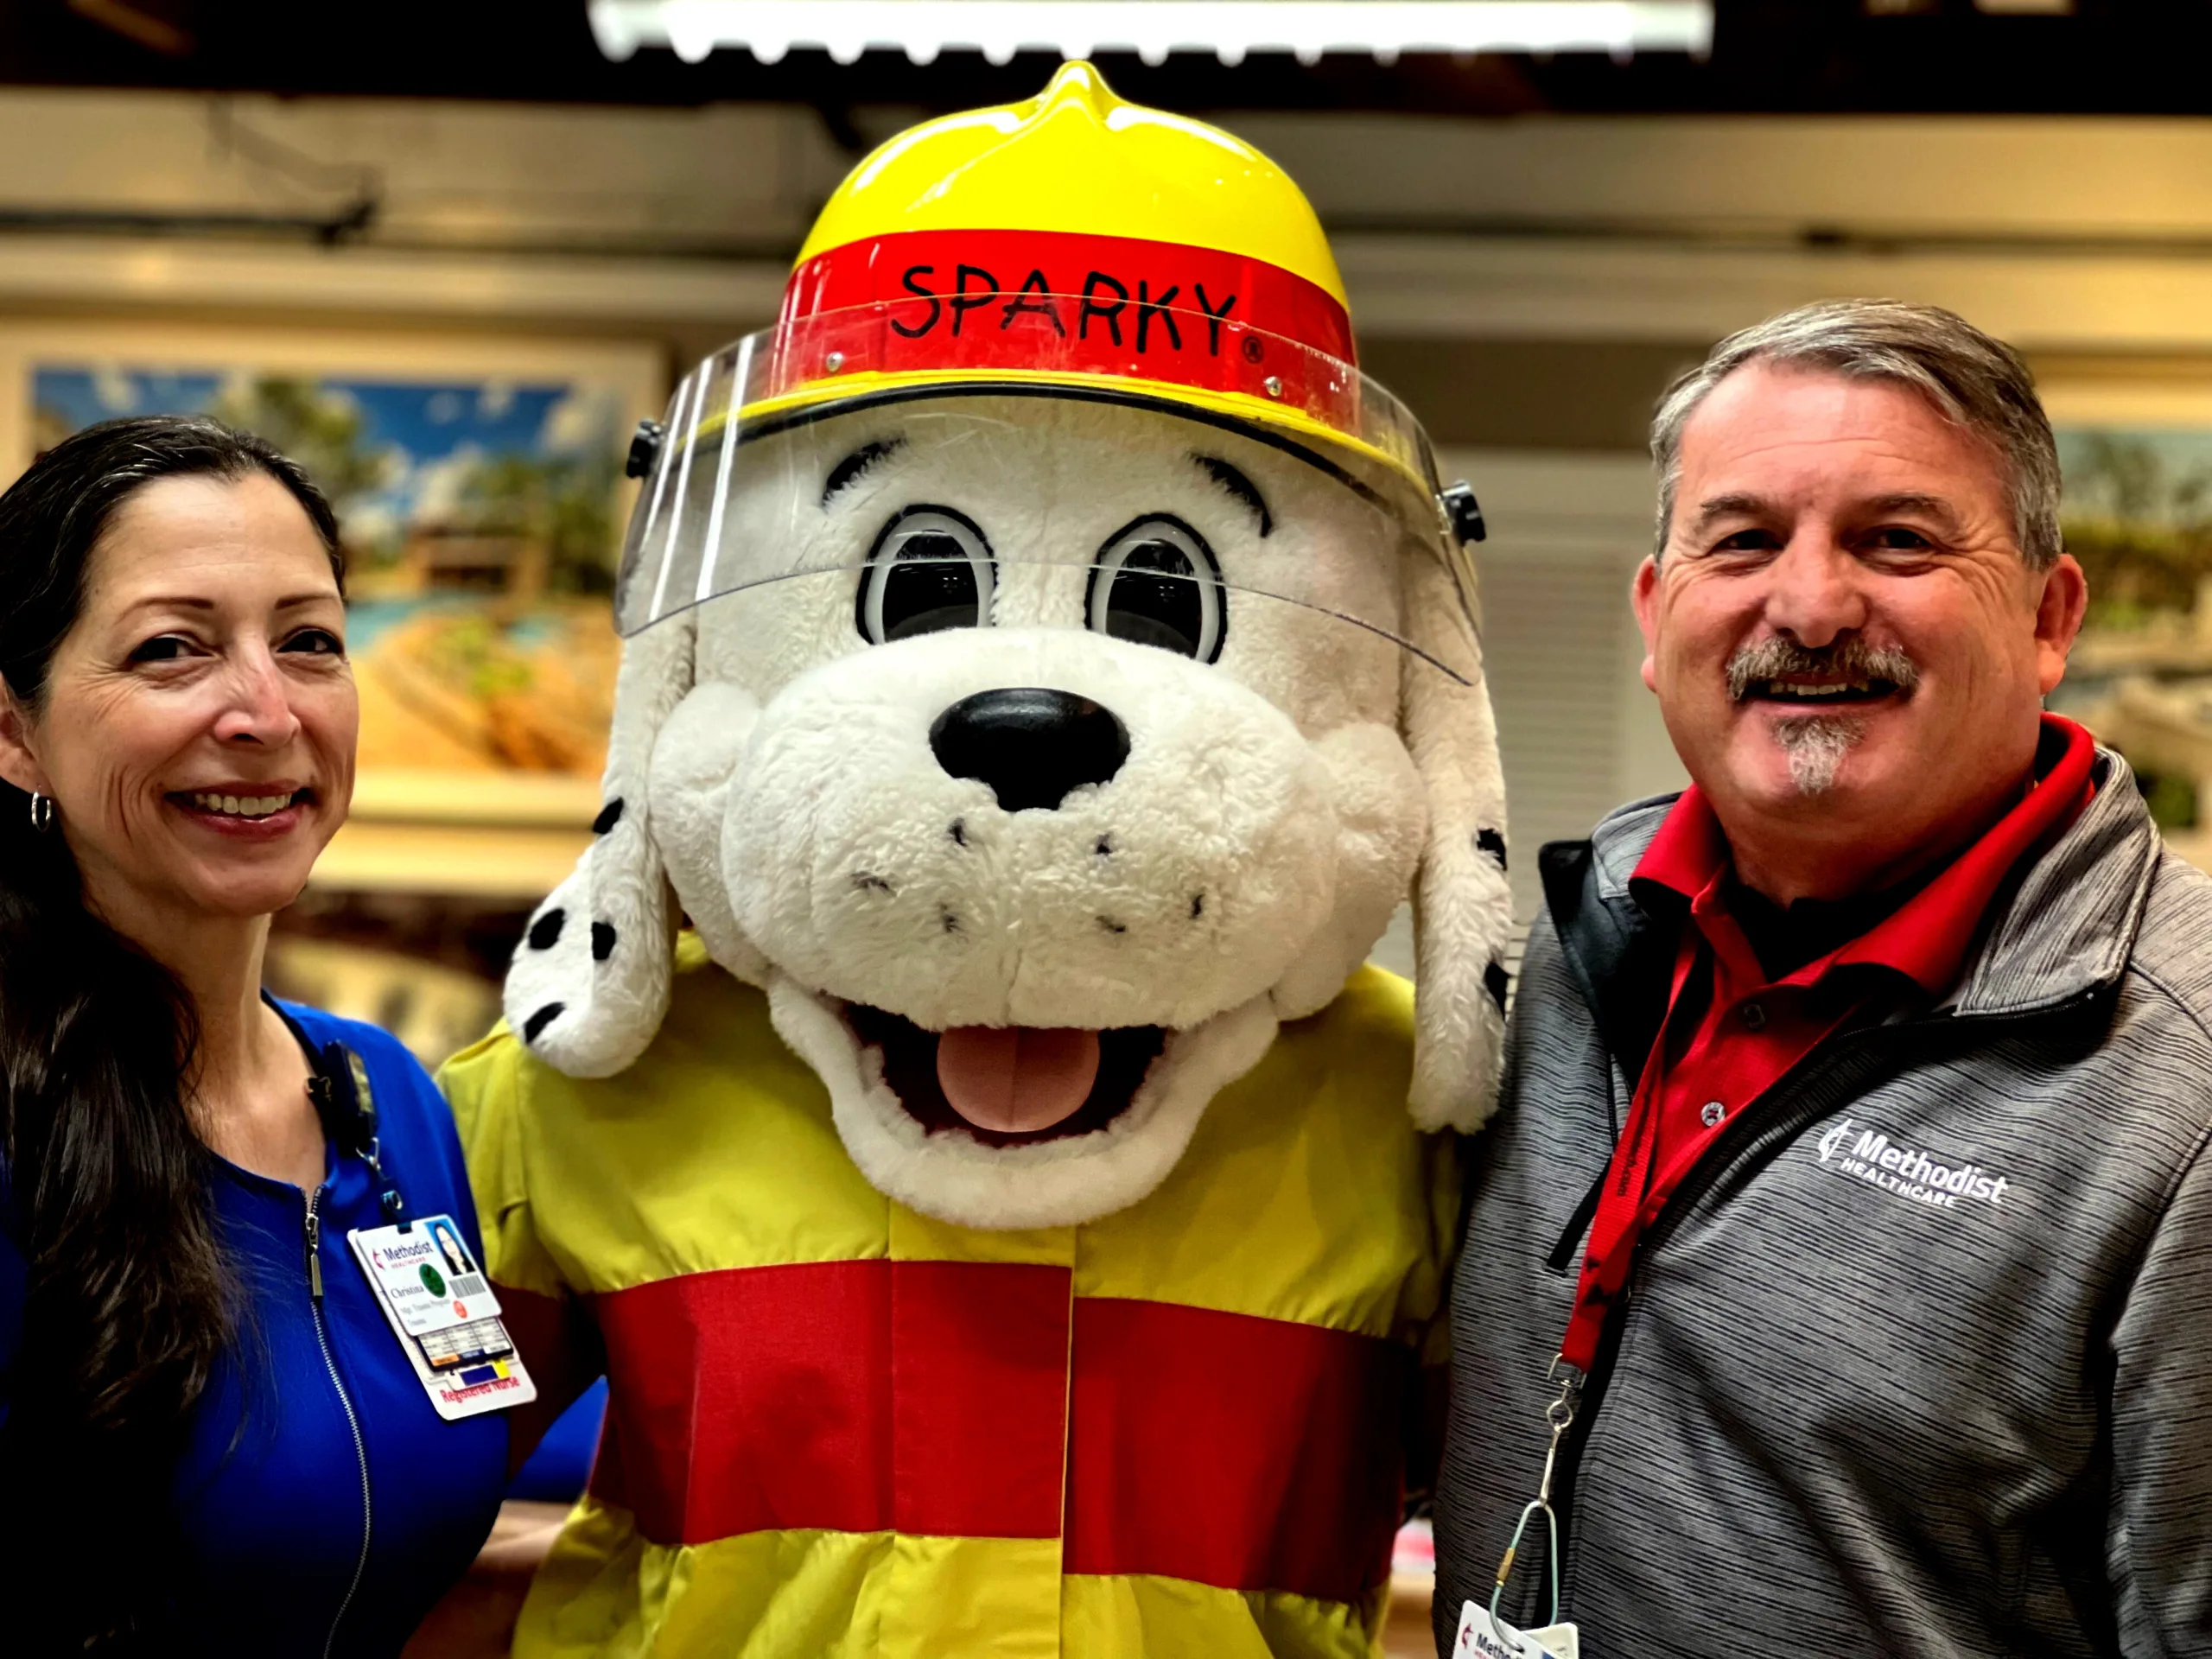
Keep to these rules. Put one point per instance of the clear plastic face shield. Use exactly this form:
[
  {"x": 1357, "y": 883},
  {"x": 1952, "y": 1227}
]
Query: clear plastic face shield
[{"x": 903, "y": 506}]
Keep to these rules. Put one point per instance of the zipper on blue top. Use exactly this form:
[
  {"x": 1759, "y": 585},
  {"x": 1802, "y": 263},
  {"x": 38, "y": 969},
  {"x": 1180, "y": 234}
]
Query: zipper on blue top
[{"x": 353, "y": 1422}]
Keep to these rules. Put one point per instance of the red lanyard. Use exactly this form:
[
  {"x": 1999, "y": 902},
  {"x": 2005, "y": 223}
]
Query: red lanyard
[
  {"x": 1624, "y": 1205},
  {"x": 1711, "y": 1055}
]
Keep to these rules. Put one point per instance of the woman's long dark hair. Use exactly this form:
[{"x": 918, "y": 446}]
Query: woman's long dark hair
[{"x": 103, "y": 1184}]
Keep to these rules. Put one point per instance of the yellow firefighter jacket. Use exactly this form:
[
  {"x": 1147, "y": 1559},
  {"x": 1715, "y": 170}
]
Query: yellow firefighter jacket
[{"x": 839, "y": 1428}]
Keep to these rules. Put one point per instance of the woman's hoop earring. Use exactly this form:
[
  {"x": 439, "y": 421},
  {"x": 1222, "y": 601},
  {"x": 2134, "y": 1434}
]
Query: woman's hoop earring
[{"x": 42, "y": 812}]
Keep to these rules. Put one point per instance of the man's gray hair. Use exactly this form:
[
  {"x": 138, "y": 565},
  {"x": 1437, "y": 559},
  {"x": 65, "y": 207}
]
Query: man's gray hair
[{"x": 1980, "y": 383}]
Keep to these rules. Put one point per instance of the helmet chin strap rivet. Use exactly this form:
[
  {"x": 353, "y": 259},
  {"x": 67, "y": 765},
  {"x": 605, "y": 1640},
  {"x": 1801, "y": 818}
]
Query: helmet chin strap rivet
[
  {"x": 1274, "y": 385},
  {"x": 834, "y": 362}
]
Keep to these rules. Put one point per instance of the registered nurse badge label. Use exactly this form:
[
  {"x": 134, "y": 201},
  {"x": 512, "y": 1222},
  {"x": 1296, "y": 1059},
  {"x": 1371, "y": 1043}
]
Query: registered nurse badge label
[
  {"x": 1482, "y": 1637},
  {"x": 442, "y": 1310}
]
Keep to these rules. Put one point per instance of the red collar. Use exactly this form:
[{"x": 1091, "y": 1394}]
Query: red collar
[{"x": 1926, "y": 937}]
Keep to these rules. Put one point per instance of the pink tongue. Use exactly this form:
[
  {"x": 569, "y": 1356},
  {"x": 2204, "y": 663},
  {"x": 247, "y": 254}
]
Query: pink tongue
[{"x": 1018, "y": 1079}]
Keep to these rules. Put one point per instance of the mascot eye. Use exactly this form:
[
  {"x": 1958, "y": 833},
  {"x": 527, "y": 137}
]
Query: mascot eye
[
  {"x": 1156, "y": 583},
  {"x": 929, "y": 569}
]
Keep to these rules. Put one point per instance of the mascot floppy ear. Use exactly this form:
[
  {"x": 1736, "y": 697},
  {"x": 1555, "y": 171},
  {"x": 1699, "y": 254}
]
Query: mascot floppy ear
[
  {"x": 1463, "y": 911},
  {"x": 590, "y": 980}
]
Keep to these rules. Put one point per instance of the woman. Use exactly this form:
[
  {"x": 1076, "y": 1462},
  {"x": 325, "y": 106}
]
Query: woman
[{"x": 212, "y": 1437}]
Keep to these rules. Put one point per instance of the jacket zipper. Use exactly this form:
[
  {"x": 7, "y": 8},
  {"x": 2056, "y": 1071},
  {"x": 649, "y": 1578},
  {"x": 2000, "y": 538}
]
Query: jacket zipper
[
  {"x": 1831, "y": 1085},
  {"x": 353, "y": 1422}
]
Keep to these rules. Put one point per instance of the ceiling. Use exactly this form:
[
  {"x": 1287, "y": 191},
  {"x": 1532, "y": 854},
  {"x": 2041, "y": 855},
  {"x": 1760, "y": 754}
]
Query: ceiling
[{"x": 1768, "y": 56}]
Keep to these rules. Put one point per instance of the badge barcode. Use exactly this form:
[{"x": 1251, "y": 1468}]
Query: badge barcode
[{"x": 470, "y": 1284}]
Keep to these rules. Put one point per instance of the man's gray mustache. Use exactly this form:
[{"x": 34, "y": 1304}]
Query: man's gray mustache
[{"x": 1848, "y": 659}]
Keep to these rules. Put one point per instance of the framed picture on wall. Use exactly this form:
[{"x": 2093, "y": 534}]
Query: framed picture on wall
[
  {"x": 2135, "y": 451},
  {"x": 478, "y": 482}
]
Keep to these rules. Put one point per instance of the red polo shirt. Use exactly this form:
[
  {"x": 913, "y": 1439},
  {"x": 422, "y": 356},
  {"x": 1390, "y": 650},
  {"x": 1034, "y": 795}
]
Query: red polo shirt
[{"x": 1731, "y": 1032}]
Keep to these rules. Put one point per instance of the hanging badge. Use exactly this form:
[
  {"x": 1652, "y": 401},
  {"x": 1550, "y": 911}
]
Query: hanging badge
[
  {"x": 1484, "y": 1637},
  {"x": 444, "y": 1312}
]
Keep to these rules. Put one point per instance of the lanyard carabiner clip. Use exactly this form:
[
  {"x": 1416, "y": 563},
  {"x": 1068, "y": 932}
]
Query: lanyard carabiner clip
[
  {"x": 1551, "y": 1555},
  {"x": 1558, "y": 1414},
  {"x": 340, "y": 1089}
]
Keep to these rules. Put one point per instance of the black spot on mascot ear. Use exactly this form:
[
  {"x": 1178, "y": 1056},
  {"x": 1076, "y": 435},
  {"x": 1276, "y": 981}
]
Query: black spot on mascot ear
[
  {"x": 537, "y": 1022},
  {"x": 545, "y": 931},
  {"x": 609, "y": 816},
  {"x": 1495, "y": 982},
  {"x": 602, "y": 941},
  {"x": 1489, "y": 840}
]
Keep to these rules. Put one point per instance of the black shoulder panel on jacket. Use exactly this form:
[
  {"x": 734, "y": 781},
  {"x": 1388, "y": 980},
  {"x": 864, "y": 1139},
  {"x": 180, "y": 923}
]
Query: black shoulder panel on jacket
[{"x": 1618, "y": 955}]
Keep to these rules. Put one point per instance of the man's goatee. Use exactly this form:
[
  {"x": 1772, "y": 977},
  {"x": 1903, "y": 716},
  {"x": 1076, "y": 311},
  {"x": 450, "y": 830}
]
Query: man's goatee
[{"x": 1816, "y": 744}]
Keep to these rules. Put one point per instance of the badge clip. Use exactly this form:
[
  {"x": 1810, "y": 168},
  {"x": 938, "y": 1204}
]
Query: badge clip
[
  {"x": 346, "y": 1105},
  {"x": 1559, "y": 1414}
]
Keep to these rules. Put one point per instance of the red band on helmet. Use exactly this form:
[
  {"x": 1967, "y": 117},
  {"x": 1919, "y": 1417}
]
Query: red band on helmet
[{"x": 1053, "y": 301}]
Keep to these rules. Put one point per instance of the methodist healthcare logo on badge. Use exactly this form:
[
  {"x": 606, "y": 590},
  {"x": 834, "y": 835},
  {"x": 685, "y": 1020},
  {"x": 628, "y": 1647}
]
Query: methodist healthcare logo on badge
[
  {"x": 1869, "y": 1154},
  {"x": 416, "y": 1254}
]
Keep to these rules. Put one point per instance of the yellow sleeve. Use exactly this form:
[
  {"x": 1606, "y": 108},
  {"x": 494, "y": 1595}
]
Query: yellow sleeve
[
  {"x": 487, "y": 1085},
  {"x": 1379, "y": 1018}
]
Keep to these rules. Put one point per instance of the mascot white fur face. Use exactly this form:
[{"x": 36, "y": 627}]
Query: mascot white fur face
[{"x": 1032, "y": 841}]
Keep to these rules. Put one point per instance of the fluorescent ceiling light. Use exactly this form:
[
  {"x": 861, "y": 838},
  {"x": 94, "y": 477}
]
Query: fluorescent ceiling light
[{"x": 1150, "y": 29}]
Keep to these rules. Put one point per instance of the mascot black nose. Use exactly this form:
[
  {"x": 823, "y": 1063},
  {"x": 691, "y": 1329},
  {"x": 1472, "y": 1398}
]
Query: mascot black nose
[{"x": 1030, "y": 744}]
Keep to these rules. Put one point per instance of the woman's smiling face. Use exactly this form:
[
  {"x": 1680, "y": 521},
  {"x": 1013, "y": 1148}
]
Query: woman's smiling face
[{"x": 196, "y": 729}]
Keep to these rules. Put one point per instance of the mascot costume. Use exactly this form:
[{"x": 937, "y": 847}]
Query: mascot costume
[{"x": 949, "y": 1098}]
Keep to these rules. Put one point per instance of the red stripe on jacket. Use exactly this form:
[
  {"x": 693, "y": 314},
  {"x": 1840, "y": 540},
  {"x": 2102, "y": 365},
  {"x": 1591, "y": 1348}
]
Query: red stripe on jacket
[
  {"x": 1256, "y": 1454},
  {"x": 973, "y": 1400}
]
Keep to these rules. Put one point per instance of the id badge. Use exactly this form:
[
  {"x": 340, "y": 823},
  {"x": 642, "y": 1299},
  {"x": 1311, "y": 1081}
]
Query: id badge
[
  {"x": 442, "y": 1309},
  {"x": 1482, "y": 1637}
]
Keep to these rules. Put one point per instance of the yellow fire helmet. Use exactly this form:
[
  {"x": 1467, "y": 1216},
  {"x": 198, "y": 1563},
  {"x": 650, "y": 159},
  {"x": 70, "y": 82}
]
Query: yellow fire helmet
[{"x": 1071, "y": 246}]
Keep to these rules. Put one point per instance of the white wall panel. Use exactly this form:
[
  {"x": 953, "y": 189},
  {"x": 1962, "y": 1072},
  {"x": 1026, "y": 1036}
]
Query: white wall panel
[{"x": 1577, "y": 731}]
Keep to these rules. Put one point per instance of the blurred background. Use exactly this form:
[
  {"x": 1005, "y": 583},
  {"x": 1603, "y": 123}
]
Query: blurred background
[{"x": 448, "y": 257}]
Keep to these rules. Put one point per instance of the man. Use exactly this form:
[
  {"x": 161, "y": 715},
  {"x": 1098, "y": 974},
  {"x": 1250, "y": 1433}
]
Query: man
[{"x": 1852, "y": 1155}]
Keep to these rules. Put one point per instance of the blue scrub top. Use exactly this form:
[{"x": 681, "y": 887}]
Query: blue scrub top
[{"x": 326, "y": 1504}]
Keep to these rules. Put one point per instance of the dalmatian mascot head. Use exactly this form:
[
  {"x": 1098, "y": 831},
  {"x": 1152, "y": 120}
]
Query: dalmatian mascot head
[{"x": 1049, "y": 664}]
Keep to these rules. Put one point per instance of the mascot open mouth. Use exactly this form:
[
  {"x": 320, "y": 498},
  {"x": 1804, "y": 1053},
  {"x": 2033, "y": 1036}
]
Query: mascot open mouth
[
  {"x": 887, "y": 1076},
  {"x": 1009, "y": 1086}
]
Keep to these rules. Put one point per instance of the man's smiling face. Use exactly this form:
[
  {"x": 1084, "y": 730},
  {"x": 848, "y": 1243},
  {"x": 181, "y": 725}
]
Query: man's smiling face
[{"x": 1846, "y": 647}]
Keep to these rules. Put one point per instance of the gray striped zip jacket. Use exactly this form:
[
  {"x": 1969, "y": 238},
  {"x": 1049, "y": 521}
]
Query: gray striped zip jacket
[{"x": 1860, "y": 1398}]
